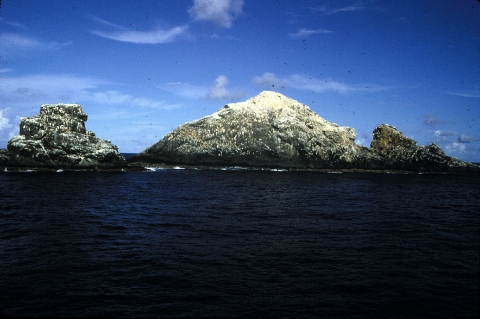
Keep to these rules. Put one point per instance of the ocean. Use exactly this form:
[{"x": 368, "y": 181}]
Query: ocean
[{"x": 173, "y": 243}]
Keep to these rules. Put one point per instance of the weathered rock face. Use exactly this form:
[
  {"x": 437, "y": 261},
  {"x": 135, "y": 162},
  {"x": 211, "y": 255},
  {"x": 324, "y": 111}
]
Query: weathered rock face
[
  {"x": 271, "y": 130},
  {"x": 266, "y": 130},
  {"x": 57, "y": 138},
  {"x": 396, "y": 151}
]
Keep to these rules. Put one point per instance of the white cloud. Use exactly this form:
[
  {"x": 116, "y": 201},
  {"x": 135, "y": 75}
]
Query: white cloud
[
  {"x": 220, "y": 92},
  {"x": 364, "y": 140},
  {"x": 455, "y": 147},
  {"x": 14, "y": 44},
  {"x": 303, "y": 33},
  {"x": 301, "y": 82},
  {"x": 123, "y": 34},
  {"x": 7, "y": 130},
  {"x": 145, "y": 37},
  {"x": 220, "y": 12},
  {"x": 4, "y": 122}
]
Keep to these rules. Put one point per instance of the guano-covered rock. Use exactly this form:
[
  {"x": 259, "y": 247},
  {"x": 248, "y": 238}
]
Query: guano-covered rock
[
  {"x": 57, "y": 138},
  {"x": 268, "y": 130},
  {"x": 272, "y": 130}
]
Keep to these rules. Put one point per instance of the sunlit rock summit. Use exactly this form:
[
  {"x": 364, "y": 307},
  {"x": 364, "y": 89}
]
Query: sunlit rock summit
[
  {"x": 57, "y": 138},
  {"x": 272, "y": 130}
]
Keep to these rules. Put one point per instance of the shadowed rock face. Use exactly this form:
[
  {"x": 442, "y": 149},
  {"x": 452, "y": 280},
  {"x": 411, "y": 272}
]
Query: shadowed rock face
[
  {"x": 271, "y": 130},
  {"x": 57, "y": 138},
  {"x": 396, "y": 151}
]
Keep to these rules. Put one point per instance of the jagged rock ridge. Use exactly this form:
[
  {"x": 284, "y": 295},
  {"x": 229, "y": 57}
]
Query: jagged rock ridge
[
  {"x": 396, "y": 151},
  {"x": 57, "y": 138},
  {"x": 272, "y": 130}
]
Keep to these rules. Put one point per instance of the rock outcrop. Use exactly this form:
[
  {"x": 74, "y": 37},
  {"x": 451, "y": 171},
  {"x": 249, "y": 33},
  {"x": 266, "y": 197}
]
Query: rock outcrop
[
  {"x": 268, "y": 130},
  {"x": 398, "y": 152},
  {"x": 57, "y": 138},
  {"x": 271, "y": 130}
]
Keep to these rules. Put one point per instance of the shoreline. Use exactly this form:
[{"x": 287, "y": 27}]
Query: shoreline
[{"x": 151, "y": 167}]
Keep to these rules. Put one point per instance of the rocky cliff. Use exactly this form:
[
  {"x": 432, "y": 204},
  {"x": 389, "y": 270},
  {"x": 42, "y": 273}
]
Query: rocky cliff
[
  {"x": 57, "y": 138},
  {"x": 271, "y": 130}
]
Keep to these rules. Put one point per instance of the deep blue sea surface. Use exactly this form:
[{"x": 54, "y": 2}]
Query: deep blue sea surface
[{"x": 192, "y": 243}]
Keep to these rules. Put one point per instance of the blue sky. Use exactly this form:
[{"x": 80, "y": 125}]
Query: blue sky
[{"x": 141, "y": 68}]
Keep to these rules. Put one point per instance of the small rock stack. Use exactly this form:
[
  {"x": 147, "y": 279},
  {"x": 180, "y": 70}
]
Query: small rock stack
[{"x": 57, "y": 138}]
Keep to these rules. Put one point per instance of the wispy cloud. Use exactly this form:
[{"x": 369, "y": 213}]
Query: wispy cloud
[
  {"x": 440, "y": 136},
  {"x": 106, "y": 22},
  {"x": 12, "y": 23},
  {"x": 220, "y": 12},
  {"x": 28, "y": 90},
  {"x": 14, "y": 44},
  {"x": 431, "y": 120},
  {"x": 123, "y": 34},
  {"x": 302, "y": 82},
  {"x": 473, "y": 94},
  {"x": 445, "y": 133},
  {"x": 22, "y": 96},
  {"x": 303, "y": 33},
  {"x": 118, "y": 98},
  {"x": 463, "y": 138},
  {"x": 329, "y": 11},
  {"x": 185, "y": 89},
  {"x": 157, "y": 36}
]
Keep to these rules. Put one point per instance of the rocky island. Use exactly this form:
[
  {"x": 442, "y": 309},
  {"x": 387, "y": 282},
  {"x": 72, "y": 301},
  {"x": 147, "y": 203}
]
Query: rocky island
[
  {"x": 272, "y": 130},
  {"x": 57, "y": 139},
  {"x": 269, "y": 130}
]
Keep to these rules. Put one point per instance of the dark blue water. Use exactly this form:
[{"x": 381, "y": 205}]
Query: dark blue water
[{"x": 186, "y": 243}]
